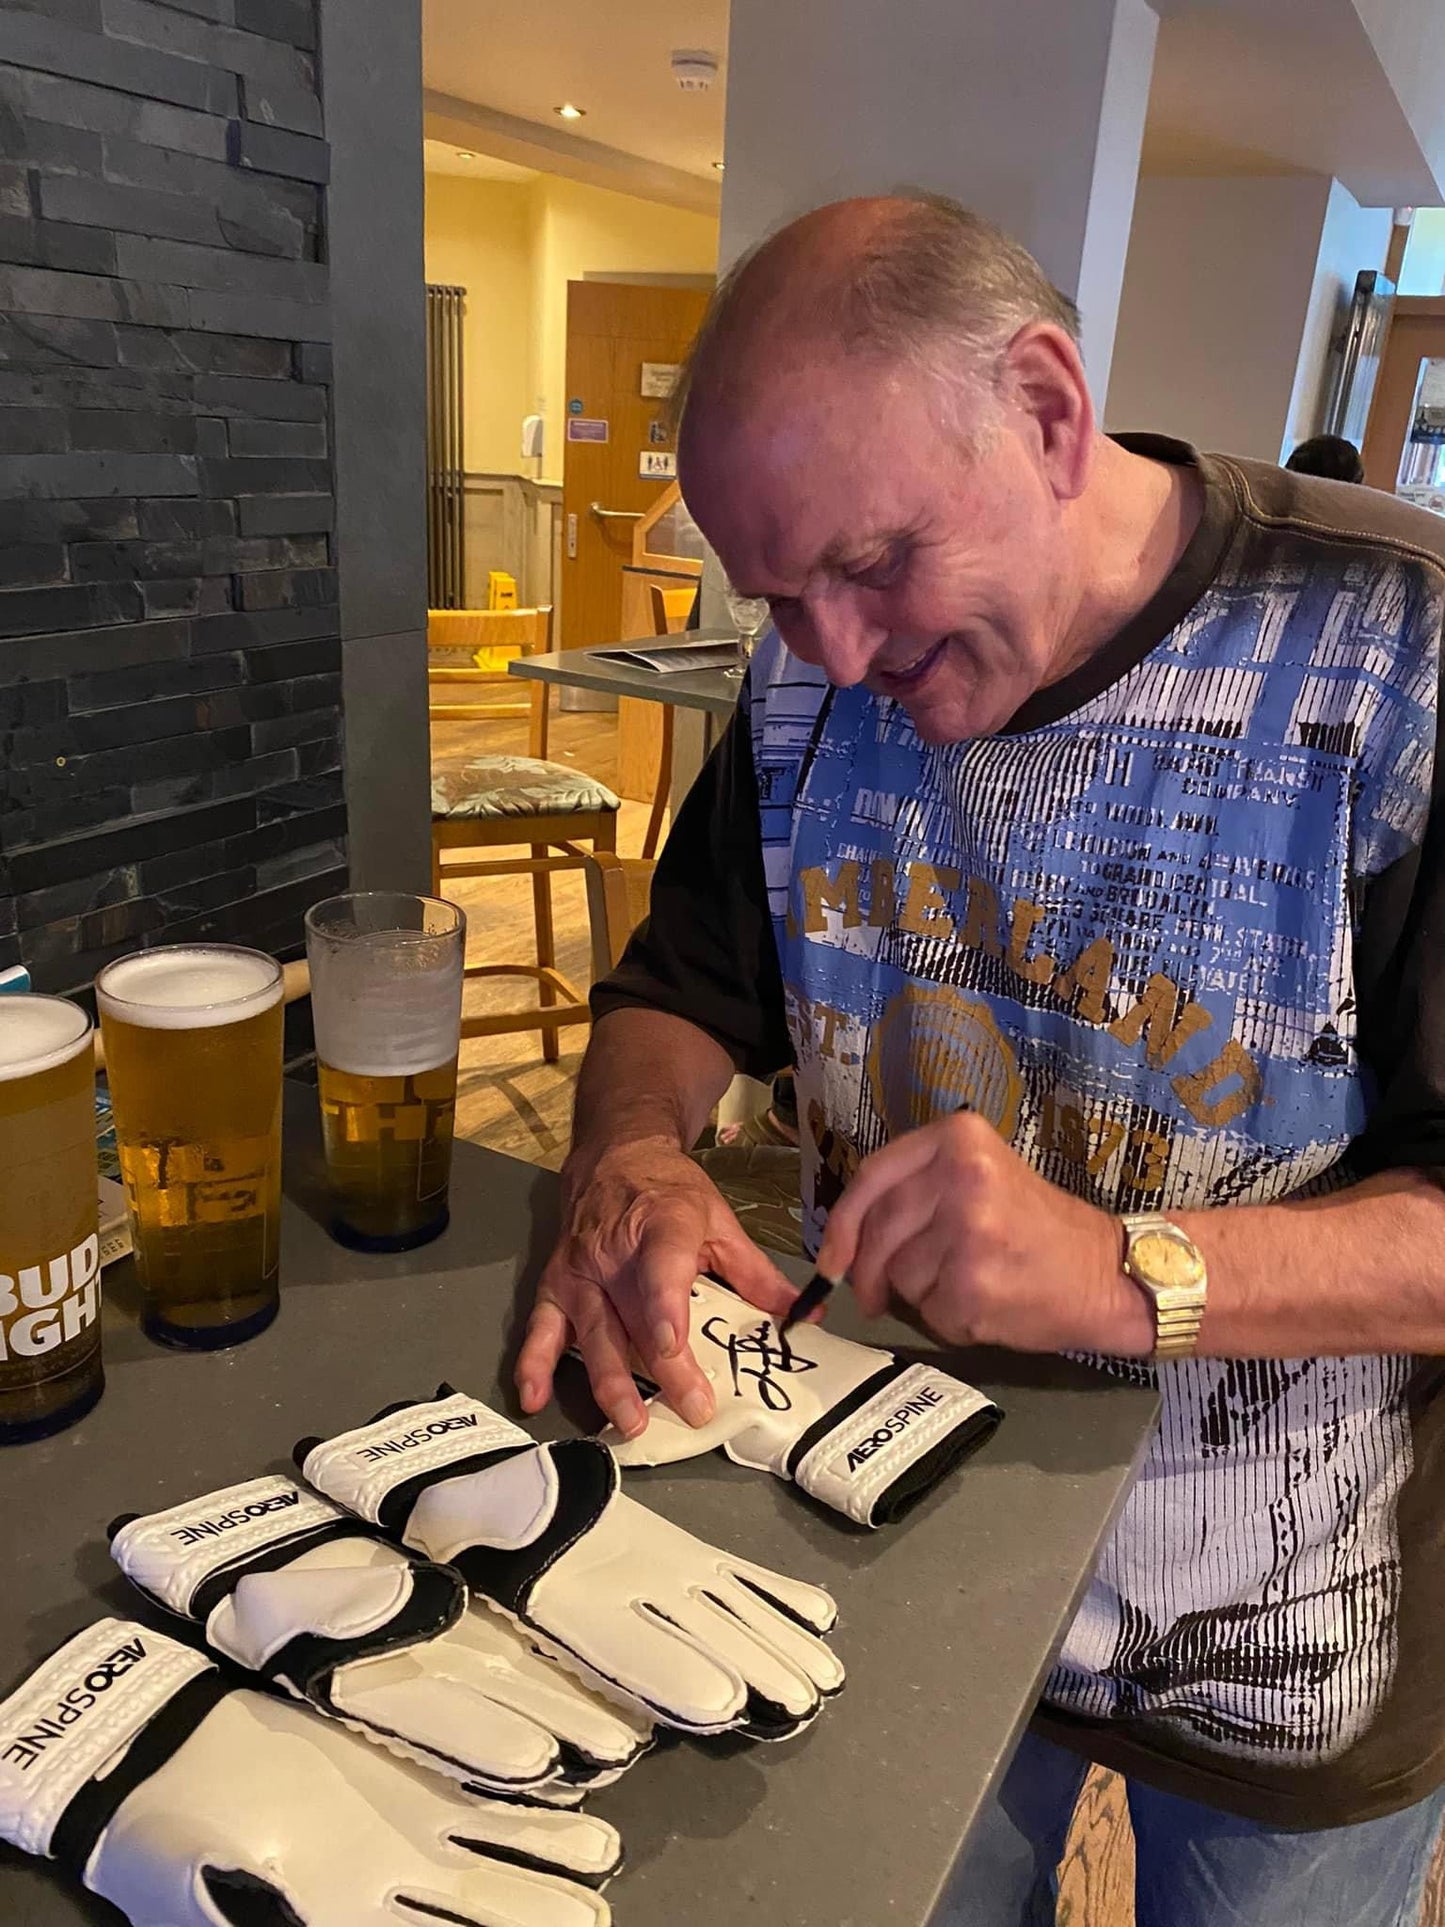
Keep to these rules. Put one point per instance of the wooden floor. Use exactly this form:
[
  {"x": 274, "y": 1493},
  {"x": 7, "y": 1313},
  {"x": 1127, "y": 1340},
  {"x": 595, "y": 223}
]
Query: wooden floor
[{"x": 511, "y": 1100}]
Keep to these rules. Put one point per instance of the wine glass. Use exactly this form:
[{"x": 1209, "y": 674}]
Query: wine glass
[{"x": 751, "y": 615}]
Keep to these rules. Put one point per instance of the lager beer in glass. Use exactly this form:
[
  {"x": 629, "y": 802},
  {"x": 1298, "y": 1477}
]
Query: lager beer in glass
[
  {"x": 386, "y": 1000},
  {"x": 193, "y": 1056},
  {"x": 50, "y": 1370}
]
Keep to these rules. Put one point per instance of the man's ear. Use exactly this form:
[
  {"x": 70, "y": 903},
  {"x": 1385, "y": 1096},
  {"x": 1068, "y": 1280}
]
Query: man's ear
[{"x": 1042, "y": 375}]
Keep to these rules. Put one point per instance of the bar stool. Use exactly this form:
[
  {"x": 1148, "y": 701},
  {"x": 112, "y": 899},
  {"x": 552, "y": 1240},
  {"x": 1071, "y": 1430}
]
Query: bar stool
[{"x": 496, "y": 801}]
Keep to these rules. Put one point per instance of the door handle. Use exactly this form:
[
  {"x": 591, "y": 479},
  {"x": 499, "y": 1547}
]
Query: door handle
[{"x": 615, "y": 515}]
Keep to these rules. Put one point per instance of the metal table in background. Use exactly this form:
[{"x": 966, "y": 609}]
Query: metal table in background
[
  {"x": 707, "y": 697},
  {"x": 947, "y": 1621}
]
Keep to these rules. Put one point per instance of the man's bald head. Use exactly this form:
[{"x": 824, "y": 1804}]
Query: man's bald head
[{"x": 913, "y": 280}]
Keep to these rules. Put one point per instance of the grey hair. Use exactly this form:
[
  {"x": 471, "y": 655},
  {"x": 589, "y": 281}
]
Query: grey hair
[{"x": 932, "y": 286}]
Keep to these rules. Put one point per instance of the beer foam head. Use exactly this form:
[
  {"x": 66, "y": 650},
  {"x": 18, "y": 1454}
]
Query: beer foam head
[
  {"x": 189, "y": 987},
  {"x": 37, "y": 1033}
]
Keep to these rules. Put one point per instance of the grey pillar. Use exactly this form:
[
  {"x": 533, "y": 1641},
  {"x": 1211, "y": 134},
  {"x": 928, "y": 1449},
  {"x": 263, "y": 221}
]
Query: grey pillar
[{"x": 371, "y": 92}]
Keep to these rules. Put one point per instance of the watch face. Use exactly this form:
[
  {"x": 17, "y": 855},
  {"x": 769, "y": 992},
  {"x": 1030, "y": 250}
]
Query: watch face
[{"x": 1166, "y": 1260}]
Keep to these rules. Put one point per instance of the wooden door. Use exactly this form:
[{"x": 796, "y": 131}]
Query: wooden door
[
  {"x": 1417, "y": 333},
  {"x": 612, "y": 328}
]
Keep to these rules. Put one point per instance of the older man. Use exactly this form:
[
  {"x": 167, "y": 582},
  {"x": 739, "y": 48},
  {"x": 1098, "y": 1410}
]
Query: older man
[{"x": 1076, "y": 838}]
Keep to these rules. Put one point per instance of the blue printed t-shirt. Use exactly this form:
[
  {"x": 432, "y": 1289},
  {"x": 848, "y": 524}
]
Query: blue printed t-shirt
[{"x": 1177, "y": 932}]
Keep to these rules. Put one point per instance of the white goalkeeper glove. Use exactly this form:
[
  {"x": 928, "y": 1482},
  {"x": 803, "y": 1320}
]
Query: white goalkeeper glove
[
  {"x": 297, "y": 1591},
  {"x": 126, "y": 1758},
  {"x": 861, "y": 1430},
  {"x": 704, "y": 1641}
]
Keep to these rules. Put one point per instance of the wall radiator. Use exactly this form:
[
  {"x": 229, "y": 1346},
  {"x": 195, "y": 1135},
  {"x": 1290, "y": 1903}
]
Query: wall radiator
[{"x": 445, "y": 471}]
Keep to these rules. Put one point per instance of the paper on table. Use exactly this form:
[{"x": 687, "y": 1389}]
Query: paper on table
[{"x": 716, "y": 650}]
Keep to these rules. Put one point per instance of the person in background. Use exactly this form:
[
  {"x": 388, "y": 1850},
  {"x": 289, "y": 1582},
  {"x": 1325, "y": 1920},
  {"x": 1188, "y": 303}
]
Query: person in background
[{"x": 1329, "y": 456}]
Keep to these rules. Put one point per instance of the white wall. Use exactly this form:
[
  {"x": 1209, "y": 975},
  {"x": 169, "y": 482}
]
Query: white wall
[
  {"x": 480, "y": 236},
  {"x": 1423, "y": 269},
  {"x": 1409, "y": 41},
  {"x": 1354, "y": 237},
  {"x": 1217, "y": 292},
  {"x": 1028, "y": 110}
]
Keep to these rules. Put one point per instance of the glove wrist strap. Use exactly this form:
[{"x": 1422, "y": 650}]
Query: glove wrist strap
[
  {"x": 107, "y": 1693},
  {"x": 376, "y": 1470},
  {"x": 188, "y": 1558},
  {"x": 892, "y": 1438},
  {"x": 194, "y": 1558}
]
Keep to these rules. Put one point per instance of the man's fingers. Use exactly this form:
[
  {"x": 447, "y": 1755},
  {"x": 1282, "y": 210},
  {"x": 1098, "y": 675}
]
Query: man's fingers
[
  {"x": 915, "y": 1269},
  {"x": 603, "y": 1344},
  {"x": 892, "y": 1222},
  {"x": 683, "y": 1384},
  {"x": 880, "y": 1173},
  {"x": 658, "y": 1312},
  {"x": 732, "y": 1254},
  {"x": 546, "y": 1340}
]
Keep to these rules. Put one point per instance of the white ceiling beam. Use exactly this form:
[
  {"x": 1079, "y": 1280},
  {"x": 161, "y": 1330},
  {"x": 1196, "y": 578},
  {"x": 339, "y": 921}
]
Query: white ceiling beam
[{"x": 466, "y": 123}]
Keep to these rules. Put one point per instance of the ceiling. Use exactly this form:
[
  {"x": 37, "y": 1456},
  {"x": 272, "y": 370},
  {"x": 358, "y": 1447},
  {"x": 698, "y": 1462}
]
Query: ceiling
[
  {"x": 441, "y": 157},
  {"x": 522, "y": 58},
  {"x": 1240, "y": 86},
  {"x": 1276, "y": 87}
]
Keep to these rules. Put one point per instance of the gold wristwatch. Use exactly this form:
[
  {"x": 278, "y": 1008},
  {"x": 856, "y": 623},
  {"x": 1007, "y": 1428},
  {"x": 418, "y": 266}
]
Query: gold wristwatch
[{"x": 1168, "y": 1267}]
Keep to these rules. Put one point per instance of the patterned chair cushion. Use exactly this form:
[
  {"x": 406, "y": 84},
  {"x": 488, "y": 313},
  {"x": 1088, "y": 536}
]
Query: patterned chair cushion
[{"x": 517, "y": 786}]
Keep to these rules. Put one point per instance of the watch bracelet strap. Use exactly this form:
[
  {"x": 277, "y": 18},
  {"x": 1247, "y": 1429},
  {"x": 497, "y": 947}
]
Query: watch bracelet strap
[
  {"x": 1176, "y": 1335},
  {"x": 1176, "y": 1327}
]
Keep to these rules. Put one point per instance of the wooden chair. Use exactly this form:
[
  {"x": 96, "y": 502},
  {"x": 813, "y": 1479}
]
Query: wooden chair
[
  {"x": 670, "y": 611},
  {"x": 496, "y": 801},
  {"x": 454, "y": 637},
  {"x": 618, "y": 888},
  {"x": 671, "y": 607}
]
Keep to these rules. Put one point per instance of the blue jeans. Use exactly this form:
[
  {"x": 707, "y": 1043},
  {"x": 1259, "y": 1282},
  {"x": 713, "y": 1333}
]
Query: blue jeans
[{"x": 1195, "y": 1867}]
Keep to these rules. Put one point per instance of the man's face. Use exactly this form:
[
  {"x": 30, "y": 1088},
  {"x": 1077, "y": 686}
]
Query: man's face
[{"x": 890, "y": 553}]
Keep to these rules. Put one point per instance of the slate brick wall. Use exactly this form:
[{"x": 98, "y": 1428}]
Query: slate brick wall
[{"x": 170, "y": 720}]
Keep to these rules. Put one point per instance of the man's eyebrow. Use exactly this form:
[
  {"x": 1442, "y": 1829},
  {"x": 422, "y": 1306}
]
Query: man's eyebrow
[
  {"x": 842, "y": 553},
  {"x": 849, "y": 551}
]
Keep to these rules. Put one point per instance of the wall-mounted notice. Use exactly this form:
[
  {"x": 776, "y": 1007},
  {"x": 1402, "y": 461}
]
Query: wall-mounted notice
[
  {"x": 586, "y": 428},
  {"x": 659, "y": 378},
  {"x": 657, "y": 465}
]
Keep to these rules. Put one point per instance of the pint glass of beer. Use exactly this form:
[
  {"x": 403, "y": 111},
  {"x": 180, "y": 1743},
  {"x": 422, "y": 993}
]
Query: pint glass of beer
[
  {"x": 50, "y": 1371},
  {"x": 386, "y": 1000},
  {"x": 193, "y": 1056}
]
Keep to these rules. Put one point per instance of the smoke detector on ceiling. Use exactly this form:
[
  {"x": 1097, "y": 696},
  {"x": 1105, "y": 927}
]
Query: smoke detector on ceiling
[{"x": 694, "y": 69}]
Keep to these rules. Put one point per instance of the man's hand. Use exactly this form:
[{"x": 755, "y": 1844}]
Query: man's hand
[
  {"x": 641, "y": 1221},
  {"x": 953, "y": 1222}
]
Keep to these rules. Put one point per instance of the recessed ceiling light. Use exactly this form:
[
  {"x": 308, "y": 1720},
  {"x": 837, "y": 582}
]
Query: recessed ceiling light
[
  {"x": 569, "y": 112},
  {"x": 464, "y": 155},
  {"x": 719, "y": 166}
]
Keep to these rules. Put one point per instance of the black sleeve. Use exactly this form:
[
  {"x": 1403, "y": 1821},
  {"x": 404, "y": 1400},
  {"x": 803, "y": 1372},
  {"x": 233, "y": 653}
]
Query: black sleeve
[
  {"x": 706, "y": 951},
  {"x": 1400, "y": 984}
]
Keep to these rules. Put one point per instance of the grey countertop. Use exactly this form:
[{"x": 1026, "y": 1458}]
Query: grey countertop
[
  {"x": 947, "y": 1624},
  {"x": 710, "y": 690}
]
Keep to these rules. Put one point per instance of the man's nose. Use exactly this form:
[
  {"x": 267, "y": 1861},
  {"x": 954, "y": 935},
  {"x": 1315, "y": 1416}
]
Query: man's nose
[{"x": 833, "y": 631}]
